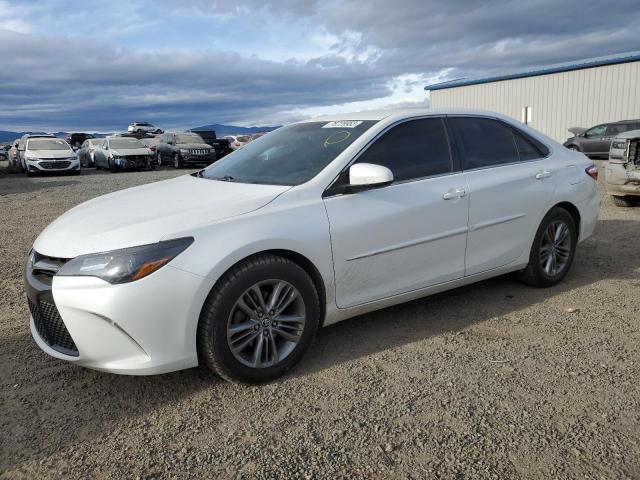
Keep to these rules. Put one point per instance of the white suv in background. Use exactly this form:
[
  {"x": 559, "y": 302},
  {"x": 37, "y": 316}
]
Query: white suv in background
[
  {"x": 49, "y": 154},
  {"x": 237, "y": 265},
  {"x": 143, "y": 127}
]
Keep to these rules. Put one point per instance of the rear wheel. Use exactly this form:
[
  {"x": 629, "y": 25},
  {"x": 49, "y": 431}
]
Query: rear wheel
[
  {"x": 573, "y": 147},
  {"x": 259, "y": 320},
  {"x": 626, "y": 200},
  {"x": 553, "y": 249}
]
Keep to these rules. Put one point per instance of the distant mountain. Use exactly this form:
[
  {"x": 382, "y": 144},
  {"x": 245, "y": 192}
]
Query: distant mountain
[{"x": 222, "y": 130}]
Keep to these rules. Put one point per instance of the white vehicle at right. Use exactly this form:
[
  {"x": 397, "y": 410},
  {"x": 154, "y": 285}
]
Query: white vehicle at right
[{"x": 622, "y": 174}]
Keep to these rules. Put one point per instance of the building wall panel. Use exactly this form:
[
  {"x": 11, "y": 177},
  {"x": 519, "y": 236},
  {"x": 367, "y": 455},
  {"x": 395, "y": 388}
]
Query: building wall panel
[{"x": 579, "y": 98}]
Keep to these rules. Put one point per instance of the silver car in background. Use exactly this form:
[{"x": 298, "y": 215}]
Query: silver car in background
[{"x": 623, "y": 170}]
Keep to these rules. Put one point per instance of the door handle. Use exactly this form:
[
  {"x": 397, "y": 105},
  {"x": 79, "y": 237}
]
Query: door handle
[
  {"x": 543, "y": 174},
  {"x": 454, "y": 193}
]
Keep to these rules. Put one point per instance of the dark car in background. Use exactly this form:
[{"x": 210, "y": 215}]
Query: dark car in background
[
  {"x": 596, "y": 141},
  {"x": 119, "y": 153},
  {"x": 77, "y": 139},
  {"x": 222, "y": 146},
  {"x": 183, "y": 149}
]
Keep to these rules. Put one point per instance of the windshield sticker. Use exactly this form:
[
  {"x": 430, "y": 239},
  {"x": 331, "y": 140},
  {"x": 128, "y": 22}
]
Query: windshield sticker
[
  {"x": 336, "y": 137},
  {"x": 343, "y": 124}
]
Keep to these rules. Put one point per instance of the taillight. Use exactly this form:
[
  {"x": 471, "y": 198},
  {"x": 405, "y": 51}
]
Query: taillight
[
  {"x": 592, "y": 171},
  {"x": 153, "y": 148},
  {"x": 237, "y": 144}
]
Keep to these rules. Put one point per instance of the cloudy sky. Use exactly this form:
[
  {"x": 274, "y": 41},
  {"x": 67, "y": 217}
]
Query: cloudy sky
[{"x": 95, "y": 65}]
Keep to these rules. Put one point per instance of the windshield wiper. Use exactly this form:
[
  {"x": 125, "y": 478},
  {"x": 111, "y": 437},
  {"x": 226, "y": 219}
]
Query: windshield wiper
[{"x": 224, "y": 178}]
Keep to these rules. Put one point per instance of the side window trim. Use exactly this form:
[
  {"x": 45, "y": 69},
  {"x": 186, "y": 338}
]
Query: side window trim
[{"x": 328, "y": 191}]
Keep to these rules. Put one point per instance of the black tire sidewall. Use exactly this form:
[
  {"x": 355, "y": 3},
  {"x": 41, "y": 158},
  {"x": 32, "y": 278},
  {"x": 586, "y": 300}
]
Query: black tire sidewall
[
  {"x": 226, "y": 298},
  {"x": 541, "y": 277}
]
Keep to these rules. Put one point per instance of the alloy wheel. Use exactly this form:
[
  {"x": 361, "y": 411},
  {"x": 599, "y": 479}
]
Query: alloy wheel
[
  {"x": 266, "y": 323},
  {"x": 555, "y": 248}
]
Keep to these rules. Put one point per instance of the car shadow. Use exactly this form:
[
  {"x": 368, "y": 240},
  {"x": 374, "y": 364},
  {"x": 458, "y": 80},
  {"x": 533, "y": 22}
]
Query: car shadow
[{"x": 49, "y": 404}]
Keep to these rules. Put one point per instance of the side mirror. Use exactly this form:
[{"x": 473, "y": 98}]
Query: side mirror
[{"x": 364, "y": 176}]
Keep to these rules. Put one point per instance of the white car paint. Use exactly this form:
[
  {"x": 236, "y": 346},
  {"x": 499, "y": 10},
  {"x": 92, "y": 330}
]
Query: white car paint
[
  {"x": 372, "y": 249},
  {"x": 34, "y": 159}
]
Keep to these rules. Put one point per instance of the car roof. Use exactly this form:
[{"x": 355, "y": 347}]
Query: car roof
[
  {"x": 401, "y": 113},
  {"x": 626, "y": 121}
]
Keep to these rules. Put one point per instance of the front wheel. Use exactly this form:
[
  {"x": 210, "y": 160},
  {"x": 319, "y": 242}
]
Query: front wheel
[
  {"x": 112, "y": 165},
  {"x": 553, "y": 249},
  {"x": 177, "y": 162},
  {"x": 259, "y": 320}
]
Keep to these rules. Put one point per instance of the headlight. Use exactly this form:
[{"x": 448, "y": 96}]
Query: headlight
[
  {"x": 184, "y": 151},
  {"x": 127, "y": 264},
  {"x": 619, "y": 144}
]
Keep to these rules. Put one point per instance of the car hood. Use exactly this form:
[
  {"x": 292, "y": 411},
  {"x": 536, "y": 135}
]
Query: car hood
[
  {"x": 123, "y": 152},
  {"x": 629, "y": 134},
  {"x": 51, "y": 153},
  {"x": 190, "y": 146},
  {"x": 149, "y": 213}
]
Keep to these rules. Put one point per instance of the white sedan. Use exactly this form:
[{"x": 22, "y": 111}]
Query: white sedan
[{"x": 237, "y": 266}]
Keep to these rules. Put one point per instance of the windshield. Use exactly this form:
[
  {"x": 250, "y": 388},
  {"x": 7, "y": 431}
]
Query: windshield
[
  {"x": 290, "y": 155},
  {"x": 188, "y": 138},
  {"x": 125, "y": 142},
  {"x": 47, "y": 144}
]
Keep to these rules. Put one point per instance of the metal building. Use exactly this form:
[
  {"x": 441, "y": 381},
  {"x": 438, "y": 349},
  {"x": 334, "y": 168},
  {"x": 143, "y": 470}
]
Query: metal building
[{"x": 554, "y": 98}]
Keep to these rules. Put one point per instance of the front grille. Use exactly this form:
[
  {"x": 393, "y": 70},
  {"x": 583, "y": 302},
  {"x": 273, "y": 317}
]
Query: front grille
[
  {"x": 51, "y": 327},
  {"x": 199, "y": 152},
  {"x": 54, "y": 165}
]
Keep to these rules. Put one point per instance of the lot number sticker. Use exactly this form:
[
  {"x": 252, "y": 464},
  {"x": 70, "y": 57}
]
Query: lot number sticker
[{"x": 343, "y": 124}]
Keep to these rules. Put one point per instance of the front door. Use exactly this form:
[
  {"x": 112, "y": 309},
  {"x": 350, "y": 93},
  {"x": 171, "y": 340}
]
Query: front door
[{"x": 410, "y": 234}]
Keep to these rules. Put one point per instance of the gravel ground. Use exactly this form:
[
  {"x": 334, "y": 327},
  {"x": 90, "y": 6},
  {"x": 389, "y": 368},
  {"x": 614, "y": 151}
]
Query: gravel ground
[{"x": 493, "y": 380}]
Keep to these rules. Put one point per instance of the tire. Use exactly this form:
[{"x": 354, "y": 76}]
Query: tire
[
  {"x": 112, "y": 166},
  {"x": 535, "y": 273},
  {"x": 221, "y": 310},
  {"x": 573, "y": 147},
  {"x": 159, "y": 159},
  {"x": 625, "y": 200},
  {"x": 177, "y": 163}
]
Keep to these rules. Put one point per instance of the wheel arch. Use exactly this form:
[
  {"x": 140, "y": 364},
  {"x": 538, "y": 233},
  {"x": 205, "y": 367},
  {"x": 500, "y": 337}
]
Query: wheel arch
[
  {"x": 302, "y": 261},
  {"x": 573, "y": 211}
]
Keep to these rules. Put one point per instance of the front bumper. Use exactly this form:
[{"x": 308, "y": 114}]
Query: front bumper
[
  {"x": 52, "y": 165},
  {"x": 621, "y": 180},
  {"x": 193, "y": 159},
  {"x": 137, "y": 161},
  {"x": 139, "y": 328}
]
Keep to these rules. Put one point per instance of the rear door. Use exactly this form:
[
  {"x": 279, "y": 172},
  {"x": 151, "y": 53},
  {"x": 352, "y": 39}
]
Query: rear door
[
  {"x": 510, "y": 182},
  {"x": 407, "y": 235}
]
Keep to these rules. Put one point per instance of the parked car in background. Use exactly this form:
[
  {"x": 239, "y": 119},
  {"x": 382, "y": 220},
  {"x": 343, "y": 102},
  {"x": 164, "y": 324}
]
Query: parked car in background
[
  {"x": 87, "y": 150},
  {"x": 256, "y": 136},
  {"x": 49, "y": 155},
  {"x": 596, "y": 141},
  {"x": 77, "y": 139},
  {"x": 622, "y": 173},
  {"x": 182, "y": 149},
  {"x": 22, "y": 144},
  {"x": 152, "y": 142},
  {"x": 143, "y": 127},
  {"x": 236, "y": 267},
  {"x": 120, "y": 153},
  {"x": 13, "y": 154},
  {"x": 237, "y": 141},
  {"x": 221, "y": 145},
  {"x": 4, "y": 152}
]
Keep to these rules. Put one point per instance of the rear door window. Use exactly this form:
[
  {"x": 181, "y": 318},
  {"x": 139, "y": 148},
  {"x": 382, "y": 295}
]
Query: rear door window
[
  {"x": 412, "y": 150},
  {"x": 483, "y": 142}
]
